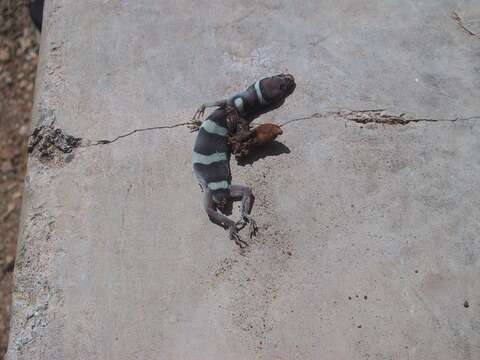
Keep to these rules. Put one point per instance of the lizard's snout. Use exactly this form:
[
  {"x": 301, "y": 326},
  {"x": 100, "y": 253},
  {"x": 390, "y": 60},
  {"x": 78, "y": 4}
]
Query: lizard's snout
[{"x": 289, "y": 81}]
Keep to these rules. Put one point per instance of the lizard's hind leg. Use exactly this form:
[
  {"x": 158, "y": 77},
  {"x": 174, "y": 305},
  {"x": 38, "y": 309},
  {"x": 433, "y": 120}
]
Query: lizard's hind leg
[
  {"x": 222, "y": 220},
  {"x": 243, "y": 193}
]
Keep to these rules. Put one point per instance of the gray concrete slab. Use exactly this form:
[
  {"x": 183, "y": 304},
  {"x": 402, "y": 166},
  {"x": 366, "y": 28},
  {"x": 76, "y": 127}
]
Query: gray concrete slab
[{"x": 368, "y": 244}]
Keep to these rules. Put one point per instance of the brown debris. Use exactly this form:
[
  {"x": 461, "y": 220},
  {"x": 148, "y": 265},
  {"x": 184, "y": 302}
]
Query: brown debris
[
  {"x": 46, "y": 140},
  {"x": 459, "y": 22},
  {"x": 376, "y": 116},
  {"x": 262, "y": 135}
]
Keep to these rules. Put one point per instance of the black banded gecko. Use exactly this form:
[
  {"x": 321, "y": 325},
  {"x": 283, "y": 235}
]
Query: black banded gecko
[{"x": 211, "y": 153}]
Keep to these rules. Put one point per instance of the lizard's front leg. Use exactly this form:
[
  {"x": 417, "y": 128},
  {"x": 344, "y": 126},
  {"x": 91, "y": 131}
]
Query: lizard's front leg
[
  {"x": 245, "y": 194},
  {"x": 222, "y": 220},
  {"x": 196, "y": 122}
]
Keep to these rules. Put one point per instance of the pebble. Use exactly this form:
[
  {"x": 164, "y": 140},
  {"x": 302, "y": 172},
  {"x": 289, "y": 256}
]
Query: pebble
[
  {"x": 466, "y": 304},
  {"x": 25, "y": 42},
  {"x": 7, "y": 79},
  {"x": 4, "y": 55},
  {"x": 9, "y": 264},
  {"x": 23, "y": 130},
  {"x": 6, "y": 166},
  {"x": 9, "y": 259}
]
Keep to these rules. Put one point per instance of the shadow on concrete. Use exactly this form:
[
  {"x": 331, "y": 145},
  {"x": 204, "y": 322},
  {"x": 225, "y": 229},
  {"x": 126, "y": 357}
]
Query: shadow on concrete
[{"x": 272, "y": 149}]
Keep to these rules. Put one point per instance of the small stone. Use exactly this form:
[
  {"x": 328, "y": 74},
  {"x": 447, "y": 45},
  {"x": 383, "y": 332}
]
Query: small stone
[
  {"x": 23, "y": 130},
  {"x": 10, "y": 208},
  {"x": 25, "y": 42},
  {"x": 416, "y": 271},
  {"x": 7, "y": 25},
  {"x": 466, "y": 304},
  {"x": 365, "y": 297},
  {"x": 359, "y": 326},
  {"x": 6, "y": 166},
  {"x": 5, "y": 77},
  {"x": 349, "y": 298},
  {"x": 9, "y": 264},
  {"x": 4, "y": 55}
]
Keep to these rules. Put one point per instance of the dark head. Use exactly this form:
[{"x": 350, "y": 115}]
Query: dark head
[{"x": 276, "y": 89}]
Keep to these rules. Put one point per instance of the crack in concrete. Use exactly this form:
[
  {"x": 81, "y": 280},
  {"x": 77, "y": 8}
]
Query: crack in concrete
[
  {"x": 105, "y": 142},
  {"x": 377, "y": 116},
  {"x": 459, "y": 22},
  {"x": 48, "y": 139}
]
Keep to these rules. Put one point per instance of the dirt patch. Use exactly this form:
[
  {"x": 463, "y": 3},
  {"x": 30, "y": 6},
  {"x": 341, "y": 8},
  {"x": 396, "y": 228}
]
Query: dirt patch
[
  {"x": 18, "y": 62},
  {"x": 47, "y": 141}
]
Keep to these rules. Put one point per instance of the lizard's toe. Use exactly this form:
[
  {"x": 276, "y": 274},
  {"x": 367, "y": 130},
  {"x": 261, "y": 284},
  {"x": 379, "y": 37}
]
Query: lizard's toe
[
  {"x": 253, "y": 228},
  {"x": 240, "y": 224},
  {"x": 194, "y": 125},
  {"x": 199, "y": 113},
  {"x": 235, "y": 237}
]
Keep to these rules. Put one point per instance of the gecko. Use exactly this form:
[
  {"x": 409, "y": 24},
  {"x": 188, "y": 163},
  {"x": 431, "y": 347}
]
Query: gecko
[{"x": 212, "y": 149}]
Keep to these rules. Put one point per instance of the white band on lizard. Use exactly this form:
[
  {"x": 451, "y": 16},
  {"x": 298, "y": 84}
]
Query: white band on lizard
[
  {"x": 239, "y": 104},
  {"x": 211, "y": 127},
  {"x": 259, "y": 92},
  {"x": 218, "y": 185},
  {"x": 209, "y": 159}
]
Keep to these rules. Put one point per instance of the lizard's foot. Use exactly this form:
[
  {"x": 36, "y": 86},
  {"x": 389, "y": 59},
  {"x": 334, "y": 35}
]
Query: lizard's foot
[
  {"x": 240, "y": 224},
  {"x": 199, "y": 113},
  {"x": 194, "y": 125},
  {"x": 235, "y": 237},
  {"x": 196, "y": 122},
  {"x": 253, "y": 228}
]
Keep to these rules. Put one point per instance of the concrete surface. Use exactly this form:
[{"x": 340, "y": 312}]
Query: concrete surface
[{"x": 369, "y": 244}]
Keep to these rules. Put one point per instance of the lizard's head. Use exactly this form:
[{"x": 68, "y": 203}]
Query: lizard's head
[{"x": 275, "y": 89}]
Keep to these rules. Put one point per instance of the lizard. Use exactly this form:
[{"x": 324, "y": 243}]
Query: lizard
[{"x": 212, "y": 148}]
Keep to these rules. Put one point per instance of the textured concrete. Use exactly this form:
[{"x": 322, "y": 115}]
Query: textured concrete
[{"x": 369, "y": 244}]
